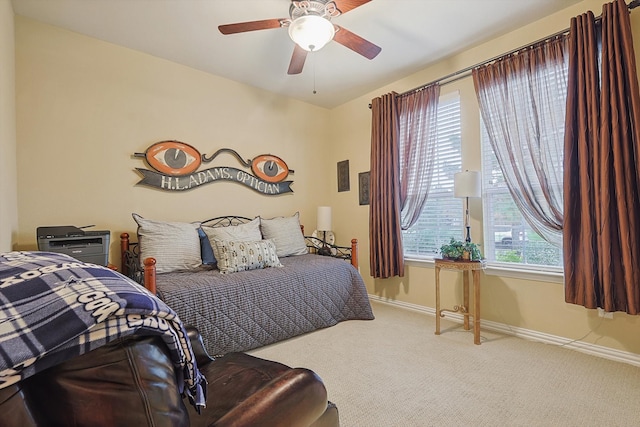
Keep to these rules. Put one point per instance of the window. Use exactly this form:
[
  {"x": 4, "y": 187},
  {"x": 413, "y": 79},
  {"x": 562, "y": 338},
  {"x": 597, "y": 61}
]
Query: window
[
  {"x": 508, "y": 239},
  {"x": 441, "y": 217}
]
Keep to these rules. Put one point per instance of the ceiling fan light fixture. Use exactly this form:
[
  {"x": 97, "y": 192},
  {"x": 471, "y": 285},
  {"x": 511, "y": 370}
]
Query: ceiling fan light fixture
[{"x": 311, "y": 32}]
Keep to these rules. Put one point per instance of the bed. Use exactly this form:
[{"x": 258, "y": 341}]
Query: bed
[{"x": 247, "y": 309}]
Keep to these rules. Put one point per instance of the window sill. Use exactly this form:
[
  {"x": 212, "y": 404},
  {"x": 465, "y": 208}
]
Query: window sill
[
  {"x": 500, "y": 270},
  {"x": 420, "y": 262},
  {"x": 525, "y": 274}
]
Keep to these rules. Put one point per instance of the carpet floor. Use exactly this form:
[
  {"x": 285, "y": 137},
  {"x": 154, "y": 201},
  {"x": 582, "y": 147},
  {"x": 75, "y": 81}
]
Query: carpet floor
[{"x": 394, "y": 371}]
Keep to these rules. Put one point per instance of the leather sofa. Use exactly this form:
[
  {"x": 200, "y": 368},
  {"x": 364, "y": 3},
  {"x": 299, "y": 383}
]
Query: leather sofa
[{"x": 131, "y": 382}]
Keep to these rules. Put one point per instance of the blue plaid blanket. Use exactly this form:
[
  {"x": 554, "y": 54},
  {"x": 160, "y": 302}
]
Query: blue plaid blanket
[{"x": 54, "y": 307}]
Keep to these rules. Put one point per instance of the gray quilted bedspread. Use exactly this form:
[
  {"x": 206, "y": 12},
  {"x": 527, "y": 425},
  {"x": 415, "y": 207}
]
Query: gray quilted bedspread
[{"x": 249, "y": 309}]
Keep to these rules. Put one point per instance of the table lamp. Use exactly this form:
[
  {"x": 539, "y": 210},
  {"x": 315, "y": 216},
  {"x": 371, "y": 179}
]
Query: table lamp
[{"x": 467, "y": 184}]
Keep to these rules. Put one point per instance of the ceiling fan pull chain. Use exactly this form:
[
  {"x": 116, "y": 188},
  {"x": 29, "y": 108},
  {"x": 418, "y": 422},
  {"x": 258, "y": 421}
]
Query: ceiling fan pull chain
[{"x": 313, "y": 58}]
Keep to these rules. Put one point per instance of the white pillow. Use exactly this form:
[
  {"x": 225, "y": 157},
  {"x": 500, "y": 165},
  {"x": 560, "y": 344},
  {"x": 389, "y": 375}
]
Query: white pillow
[
  {"x": 286, "y": 234},
  {"x": 247, "y": 232},
  {"x": 240, "y": 256},
  {"x": 174, "y": 245}
]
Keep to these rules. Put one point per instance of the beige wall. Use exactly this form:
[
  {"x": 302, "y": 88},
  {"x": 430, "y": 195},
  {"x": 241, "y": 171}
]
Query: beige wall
[
  {"x": 85, "y": 107},
  {"x": 8, "y": 174},
  {"x": 533, "y": 305}
]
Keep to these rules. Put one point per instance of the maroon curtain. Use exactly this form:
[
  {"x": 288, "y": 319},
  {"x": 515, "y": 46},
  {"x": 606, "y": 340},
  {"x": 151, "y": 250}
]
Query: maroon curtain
[
  {"x": 385, "y": 238},
  {"x": 602, "y": 165}
]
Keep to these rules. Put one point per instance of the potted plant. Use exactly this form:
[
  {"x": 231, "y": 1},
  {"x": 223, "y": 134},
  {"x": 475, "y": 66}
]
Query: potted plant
[{"x": 457, "y": 249}]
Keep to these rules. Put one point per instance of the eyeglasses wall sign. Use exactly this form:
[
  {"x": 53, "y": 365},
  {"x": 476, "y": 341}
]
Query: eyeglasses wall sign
[{"x": 176, "y": 169}]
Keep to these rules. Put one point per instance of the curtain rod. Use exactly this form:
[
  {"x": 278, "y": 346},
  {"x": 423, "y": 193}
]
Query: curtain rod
[{"x": 460, "y": 74}]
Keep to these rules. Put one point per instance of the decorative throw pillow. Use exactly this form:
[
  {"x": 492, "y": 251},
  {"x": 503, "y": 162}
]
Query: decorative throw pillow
[
  {"x": 286, "y": 234},
  {"x": 206, "y": 251},
  {"x": 240, "y": 256},
  {"x": 174, "y": 245},
  {"x": 247, "y": 232}
]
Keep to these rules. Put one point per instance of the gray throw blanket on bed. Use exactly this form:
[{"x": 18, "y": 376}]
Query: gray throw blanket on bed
[{"x": 54, "y": 307}]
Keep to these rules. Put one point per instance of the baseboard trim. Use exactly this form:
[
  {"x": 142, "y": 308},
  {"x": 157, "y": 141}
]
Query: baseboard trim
[{"x": 583, "y": 347}]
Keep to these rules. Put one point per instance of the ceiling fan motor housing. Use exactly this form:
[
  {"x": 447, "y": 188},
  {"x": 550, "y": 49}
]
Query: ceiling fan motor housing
[{"x": 324, "y": 8}]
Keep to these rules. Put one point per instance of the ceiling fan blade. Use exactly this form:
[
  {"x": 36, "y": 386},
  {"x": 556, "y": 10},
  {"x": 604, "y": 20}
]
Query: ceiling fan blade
[
  {"x": 356, "y": 43},
  {"x": 297, "y": 60},
  {"x": 345, "y": 6},
  {"x": 242, "y": 27}
]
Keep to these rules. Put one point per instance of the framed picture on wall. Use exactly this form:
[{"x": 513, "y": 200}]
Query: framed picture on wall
[
  {"x": 343, "y": 176},
  {"x": 363, "y": 188}
]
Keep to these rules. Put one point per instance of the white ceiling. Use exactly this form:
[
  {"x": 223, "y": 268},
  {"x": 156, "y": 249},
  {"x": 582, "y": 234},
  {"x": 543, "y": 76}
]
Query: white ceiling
[{"x": 412, "y": 34}]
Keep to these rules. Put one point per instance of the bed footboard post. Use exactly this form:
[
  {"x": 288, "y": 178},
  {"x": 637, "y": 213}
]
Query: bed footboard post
[
  {"x": 124, "y": 247},
  {"x": 354, "y": 252},
  {"x": 150, "y": 274}
]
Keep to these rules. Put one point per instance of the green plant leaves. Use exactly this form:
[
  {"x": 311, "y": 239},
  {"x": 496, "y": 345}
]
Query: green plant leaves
[{"x": 455, "y": 249}]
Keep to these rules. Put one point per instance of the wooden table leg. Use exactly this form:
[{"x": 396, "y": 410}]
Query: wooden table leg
[
  {"x": 465, "y": 291},
  {"x": 476, "y": 310},
  {"x": 437, "y": 300}
]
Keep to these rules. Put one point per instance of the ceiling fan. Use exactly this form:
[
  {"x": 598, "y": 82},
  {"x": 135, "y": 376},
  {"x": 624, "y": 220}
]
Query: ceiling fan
[{"x": 310, "y": 28}]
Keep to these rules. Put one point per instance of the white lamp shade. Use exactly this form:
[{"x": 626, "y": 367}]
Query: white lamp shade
[
  {"x": 324, "y": 218},
  {"x": 467, "y": 184},
  {"x": 311, "y": 32}
]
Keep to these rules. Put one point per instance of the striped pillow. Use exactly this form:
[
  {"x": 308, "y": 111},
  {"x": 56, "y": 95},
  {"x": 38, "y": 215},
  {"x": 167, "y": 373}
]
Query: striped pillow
[
  {"x": 286, "y": 234},
  {"x": 247, "y": 232},
  {"x": 174, "y": 245}
]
